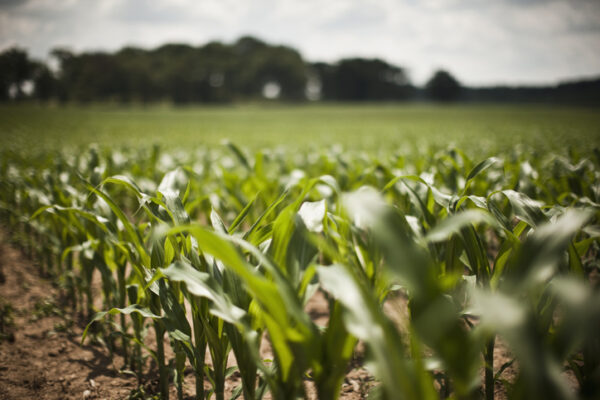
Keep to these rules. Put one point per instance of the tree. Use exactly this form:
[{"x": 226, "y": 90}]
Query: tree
[
  {"x": 259, "y": 64},
  {"x": 15, "y": 69},
  {"x": 443, "y": 87},
  {"x": 363, "y": 80},
  {"x": 44, "y": 82}
]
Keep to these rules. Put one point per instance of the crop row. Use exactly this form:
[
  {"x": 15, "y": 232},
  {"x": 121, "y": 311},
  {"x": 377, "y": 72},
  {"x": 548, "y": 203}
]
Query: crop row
[{"x": 218, "y": 251}]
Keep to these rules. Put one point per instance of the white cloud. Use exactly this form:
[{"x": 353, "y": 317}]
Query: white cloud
[{"x": 480, "y": 41}]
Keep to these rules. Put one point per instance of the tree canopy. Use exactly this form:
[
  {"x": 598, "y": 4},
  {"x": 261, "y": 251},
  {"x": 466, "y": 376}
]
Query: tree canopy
[
  {"x": 443, "y": 87},
  {"x": 214, "y": 72},
  {"x": 245, "y": 70}
]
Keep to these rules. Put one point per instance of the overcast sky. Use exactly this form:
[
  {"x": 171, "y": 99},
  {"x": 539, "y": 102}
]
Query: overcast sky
[{"x": 479, "y": 41}]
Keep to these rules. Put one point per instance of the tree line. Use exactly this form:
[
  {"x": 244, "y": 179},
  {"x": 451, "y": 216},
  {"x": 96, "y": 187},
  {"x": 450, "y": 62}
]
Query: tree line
[{"x": 247, "y": 69}]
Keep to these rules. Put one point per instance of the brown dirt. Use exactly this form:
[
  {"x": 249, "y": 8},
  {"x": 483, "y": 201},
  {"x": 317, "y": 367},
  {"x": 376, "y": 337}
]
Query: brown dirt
[{"x": 43, "y": 358}]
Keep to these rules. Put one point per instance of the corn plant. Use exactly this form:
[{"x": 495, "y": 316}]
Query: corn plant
[{"x": 216, "y": 251}]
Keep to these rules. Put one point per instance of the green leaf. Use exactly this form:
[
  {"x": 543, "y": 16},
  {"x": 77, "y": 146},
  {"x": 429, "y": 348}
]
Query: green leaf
[
  {"x": 540, "y": 254},
  {"x": 365, "y": 320},
  {"x": 134, "y": 308},
  {"x": 525, "y": 208},
  {"x": 242, "y": 215},
  {"x": 238, "y": 153},
  {"x": 454, "y": 223},
  {"x": 202, "y": 285},
  {"x": 312, "y": 214},
  {"x": 479, "y": 168}
]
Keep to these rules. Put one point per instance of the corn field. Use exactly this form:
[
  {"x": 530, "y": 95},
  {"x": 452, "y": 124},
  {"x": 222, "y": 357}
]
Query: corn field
[{"x": 218, "y": 251}]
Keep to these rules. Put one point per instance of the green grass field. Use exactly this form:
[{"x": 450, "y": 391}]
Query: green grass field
[{"x": 471, "y": 127}]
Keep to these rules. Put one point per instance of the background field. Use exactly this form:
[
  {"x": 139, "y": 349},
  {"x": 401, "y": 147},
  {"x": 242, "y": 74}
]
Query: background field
[{"x": 475, "y": 129}]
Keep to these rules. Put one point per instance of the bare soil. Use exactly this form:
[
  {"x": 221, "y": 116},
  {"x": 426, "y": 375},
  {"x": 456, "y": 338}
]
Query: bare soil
[{"x": 41, "y": 356}]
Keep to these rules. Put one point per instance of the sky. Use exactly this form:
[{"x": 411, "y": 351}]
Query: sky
[{"x": 481, "y": 42}]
